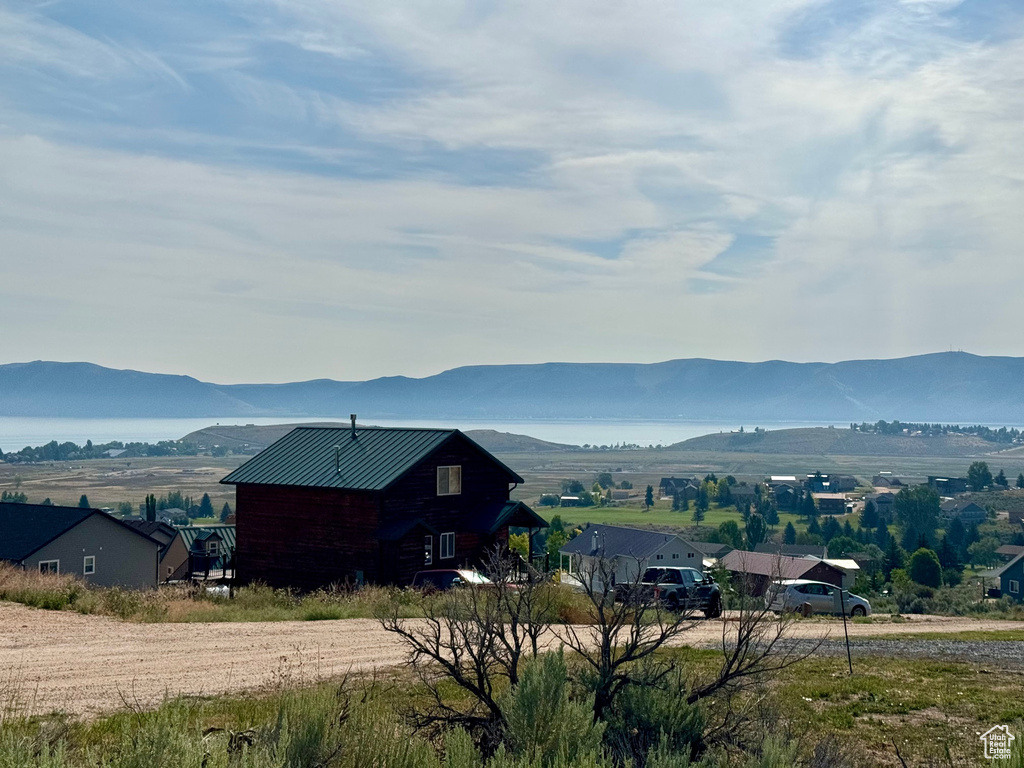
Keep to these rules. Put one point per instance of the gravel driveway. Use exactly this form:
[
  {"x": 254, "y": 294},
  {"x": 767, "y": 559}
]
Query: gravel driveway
[{"x": 85, "y": 665}]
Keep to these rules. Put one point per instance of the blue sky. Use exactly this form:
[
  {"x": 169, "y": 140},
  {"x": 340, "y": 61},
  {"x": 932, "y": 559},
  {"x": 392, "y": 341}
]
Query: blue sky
[{"x": 274, "y": 191}]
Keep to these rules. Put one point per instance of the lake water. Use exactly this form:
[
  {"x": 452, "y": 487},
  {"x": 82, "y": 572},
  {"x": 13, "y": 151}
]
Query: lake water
[{"x": 18, "y": 432}]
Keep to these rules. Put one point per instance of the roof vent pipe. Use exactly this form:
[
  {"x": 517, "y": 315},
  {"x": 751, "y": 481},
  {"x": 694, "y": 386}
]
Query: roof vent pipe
[
  {"x": 337, "y": 459},
  {"x": 353, "y": 417}
]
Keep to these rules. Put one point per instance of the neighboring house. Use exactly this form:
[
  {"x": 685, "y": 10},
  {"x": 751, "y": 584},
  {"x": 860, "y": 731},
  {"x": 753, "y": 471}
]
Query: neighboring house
[
  {"x": 199, "y": 551},
  {"x": 686, "y": 487},
  {"x": 793, "y": 550},
  {"x": 968, "y": 513},
  {"x": 830, "y": 503},
  {"x": 1007, "y": 552},
  {"x": 843, "y": 483},
  {"x": 785, "y": 496},
  {"x": 87, "y": 543},
  {"x": 1017, "y": 516},
  {"x": 711, "y": 550},
  {"x": 849, "y": 567},
  {"x": 1011, "y": 578},
  {"x": 742, "y": 492},
  {"x": 629, "y": 550},
  {"x": 886, "y": 480},
  {"x": 948, "y": 486},
  {"x": 568, "y": 501},
  {"x": 754, "y": 571},
  {"x": 883, "y": 503},
  {"x": 373, "y": 504}
]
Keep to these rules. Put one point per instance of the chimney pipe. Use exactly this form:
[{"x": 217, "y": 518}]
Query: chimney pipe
[
  {"x": 337, "y": 458},
  {"x": 353, "y": 417}
]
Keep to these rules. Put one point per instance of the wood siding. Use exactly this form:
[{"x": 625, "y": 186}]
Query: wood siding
[{"x": 305, "y": 537}]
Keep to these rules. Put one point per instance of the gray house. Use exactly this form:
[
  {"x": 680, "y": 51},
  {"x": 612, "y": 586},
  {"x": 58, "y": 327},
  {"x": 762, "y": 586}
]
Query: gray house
[
  {"x": 629, "y": 550},
  {"x": 84, "y": 542}
]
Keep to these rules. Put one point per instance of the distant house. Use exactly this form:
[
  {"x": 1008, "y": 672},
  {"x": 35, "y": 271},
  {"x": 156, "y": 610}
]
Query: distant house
[
  {"x": 849, "y": 566},
  {"x": 883, "y": 503},
  {"x": 629, "y": 550},
  {"x": 370, "y": 504},
  {"x": 742, "y": 492},
  {"x": 886, "y": 480},
  {"x": 1011, "y": 578},
  {"x": 85, "y": 542},
  {"x": 198, "y": 551},
  {"x": 948, "y": 486},
  {"x": 843, "y": 483},
  {"x": 568, "y": 501},
  {"x": 710, "y": 550},
  {"x": 830, "y": 503},
  {"x": 620, "y": 494},
  {"x": 687, "y": 488},
  {"x": 754, "y": 571},
  {"x": 792, "y": 550},
  {"x": 785, "y": 496},
  {"x": 1007, "y": 552},
  {"x": 968, "y": 513}
]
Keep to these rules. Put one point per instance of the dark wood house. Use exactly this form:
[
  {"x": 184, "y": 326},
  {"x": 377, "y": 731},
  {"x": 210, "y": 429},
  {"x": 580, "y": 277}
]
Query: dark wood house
[{"x": 370, "y": 504}]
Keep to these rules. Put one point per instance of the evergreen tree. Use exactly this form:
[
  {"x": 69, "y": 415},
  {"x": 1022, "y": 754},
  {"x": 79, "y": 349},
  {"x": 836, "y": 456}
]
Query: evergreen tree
[
  {"x": 83, "y": 503},
  {"x": 894, "y": 558},
  {"x": 225, "y": 512},
  {"x": 729, "y": 533},
  {"x": 1020, "y": 480},
  {"x": 723, "y": 493},
  {"x": 686, "y": 503},
  {"x": 675, "y": 501},
  {"x": 882, "y": 537},
  {"x": 947, "y": 554},
  {"x": 869, "y": 517},
  {"x": 813, "y": 527},
  {"x": 756, "y": 530},
  {"x": 703, "y": 500},
  {"x": 206, "y": 506},
  {"x": 831, "y": 529},
  {"x": 957, "y": 535},
  {"x": 771, "y": 515},
  {"x": 789, "y": 534},
  {"x": 649, "y": 496},
  {"x": 807, "y": 506},
  {"x": 848, "y": 530},
  {"x": 698, "y": 513},
  {"x": 1001, "y": 479}
]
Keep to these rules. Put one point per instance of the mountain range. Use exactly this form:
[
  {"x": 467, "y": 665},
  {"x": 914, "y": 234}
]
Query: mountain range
[{"x": 949, "y": 387}]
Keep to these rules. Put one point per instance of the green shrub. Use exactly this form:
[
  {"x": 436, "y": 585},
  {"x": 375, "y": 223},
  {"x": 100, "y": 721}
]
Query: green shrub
[{"x": 542, "y": 723}]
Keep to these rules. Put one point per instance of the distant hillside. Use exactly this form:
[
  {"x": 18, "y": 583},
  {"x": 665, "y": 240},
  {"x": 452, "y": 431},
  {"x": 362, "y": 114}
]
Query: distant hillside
[
  {"x": 839, "y": 442},
  {"x": 253, "y": 436},
  {"x": 946, "y": 387}
]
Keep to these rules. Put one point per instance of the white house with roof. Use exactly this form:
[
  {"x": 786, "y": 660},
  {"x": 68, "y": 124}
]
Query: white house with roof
[{"x": 629, "y": 550}]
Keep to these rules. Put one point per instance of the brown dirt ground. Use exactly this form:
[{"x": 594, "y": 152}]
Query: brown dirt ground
[{"x": 87, "y": 665}]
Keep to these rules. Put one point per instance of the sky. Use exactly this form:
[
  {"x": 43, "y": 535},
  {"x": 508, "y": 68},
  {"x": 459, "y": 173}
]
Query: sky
[{"x": 261, "y": 191}]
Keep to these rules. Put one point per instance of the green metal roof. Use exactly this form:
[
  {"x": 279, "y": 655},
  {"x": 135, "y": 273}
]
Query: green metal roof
[
  {"x": 193, "y": 533},
  {"x": 329, "y": 457}
]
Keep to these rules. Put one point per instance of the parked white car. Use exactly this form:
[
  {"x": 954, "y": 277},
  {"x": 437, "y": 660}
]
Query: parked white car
[{"x": 792, "y": 594}]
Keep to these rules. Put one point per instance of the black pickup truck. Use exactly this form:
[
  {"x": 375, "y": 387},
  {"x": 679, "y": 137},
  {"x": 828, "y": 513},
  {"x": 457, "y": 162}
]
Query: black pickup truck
[{"x": 685, "y": 589}]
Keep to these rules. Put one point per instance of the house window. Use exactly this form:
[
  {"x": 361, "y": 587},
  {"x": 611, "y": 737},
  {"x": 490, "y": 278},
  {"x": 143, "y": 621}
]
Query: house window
[
  {"x": 449, "y": 481},
  {"x": 689, "y": 554},
  {"x": 1014, "y": 586},
  {"x": 89, "y": 565},
  {"x": 428, "y": 550},
  {"x": 447, "y": 545},
  {"x": 675, "y": 555},
  {"x": 212, "y": 548},
  {"x": 49, "y": 566},
  {"x": 659, "y": 557}
]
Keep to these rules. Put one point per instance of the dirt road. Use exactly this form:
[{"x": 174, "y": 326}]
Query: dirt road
[{"x": 86, "y": 665}]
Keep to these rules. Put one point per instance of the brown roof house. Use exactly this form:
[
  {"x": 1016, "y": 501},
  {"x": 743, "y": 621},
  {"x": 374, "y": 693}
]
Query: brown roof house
[
  {"x": 754, "y": 571},
  {"x": 370, "y": 504}
]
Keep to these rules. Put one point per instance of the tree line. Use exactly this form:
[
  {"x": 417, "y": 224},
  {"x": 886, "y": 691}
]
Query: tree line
[{"x": 896, "y": 427}]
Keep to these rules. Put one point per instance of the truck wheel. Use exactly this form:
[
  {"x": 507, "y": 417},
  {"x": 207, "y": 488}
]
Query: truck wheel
[
  {"x": 714, "y": 609},
  {"x": 673, "y": 602}
]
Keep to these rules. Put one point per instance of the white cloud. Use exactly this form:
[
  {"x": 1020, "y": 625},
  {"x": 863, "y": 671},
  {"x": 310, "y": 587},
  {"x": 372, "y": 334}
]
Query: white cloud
[{"x": 875, "y": 158}]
